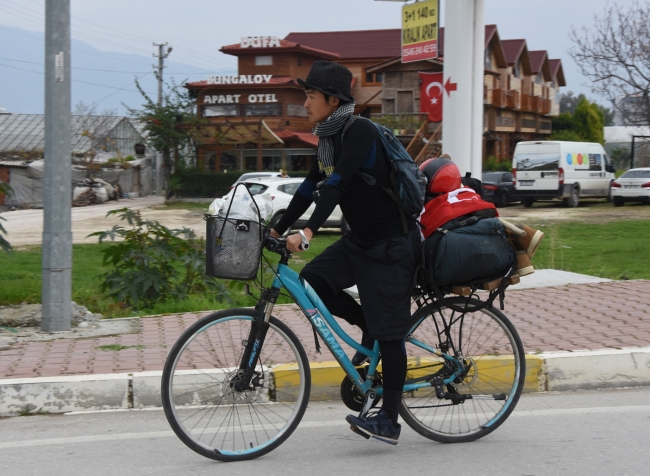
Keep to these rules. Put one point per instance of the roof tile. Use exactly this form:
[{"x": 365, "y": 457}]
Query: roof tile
[{"x": 353, "y": 44}]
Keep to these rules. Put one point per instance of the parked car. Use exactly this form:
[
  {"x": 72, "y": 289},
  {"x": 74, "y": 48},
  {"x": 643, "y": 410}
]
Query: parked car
[
  {"x": 498, "y": 188},
  {"x": 281, "y": 191},
  {"x": 632, "y": 186},
  {"x": 251, "y": 175}
]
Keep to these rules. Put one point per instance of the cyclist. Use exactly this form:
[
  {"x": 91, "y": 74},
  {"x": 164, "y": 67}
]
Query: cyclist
[{"x": 376, "y": 255}]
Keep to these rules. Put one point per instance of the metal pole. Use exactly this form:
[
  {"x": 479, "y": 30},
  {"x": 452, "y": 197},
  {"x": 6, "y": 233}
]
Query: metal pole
[
  {"x": 632, "y": 154},
  {"x": 159, "y": 157},
  {"x": 57, "y": 196}
]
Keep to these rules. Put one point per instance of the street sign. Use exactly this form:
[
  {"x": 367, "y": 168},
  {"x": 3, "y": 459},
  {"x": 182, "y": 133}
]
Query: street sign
[{"x": 420, "y": 31}]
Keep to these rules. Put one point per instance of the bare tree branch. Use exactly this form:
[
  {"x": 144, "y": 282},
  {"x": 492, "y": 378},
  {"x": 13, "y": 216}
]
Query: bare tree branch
[{"x": 614, "y": 53}]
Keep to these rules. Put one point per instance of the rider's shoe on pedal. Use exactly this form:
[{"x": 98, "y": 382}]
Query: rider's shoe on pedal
[
  {"x": 377, "y": 424},
  {"x": 359, "y": 358}
]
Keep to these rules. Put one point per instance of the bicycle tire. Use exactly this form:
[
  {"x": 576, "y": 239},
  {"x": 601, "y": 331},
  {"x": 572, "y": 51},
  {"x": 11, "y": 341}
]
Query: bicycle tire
[
  {"x": 496, "y": 361},
  {"x": 207, "y": 413}
]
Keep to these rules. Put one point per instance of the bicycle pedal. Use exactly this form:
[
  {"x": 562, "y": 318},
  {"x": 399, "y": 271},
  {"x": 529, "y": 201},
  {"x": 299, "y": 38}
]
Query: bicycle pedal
[{"x": 359, "y": 432}]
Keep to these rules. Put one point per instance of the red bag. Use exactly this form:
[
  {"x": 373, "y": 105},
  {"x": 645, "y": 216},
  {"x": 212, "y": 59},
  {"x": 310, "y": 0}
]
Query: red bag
[{"x": 447, "y": 206}]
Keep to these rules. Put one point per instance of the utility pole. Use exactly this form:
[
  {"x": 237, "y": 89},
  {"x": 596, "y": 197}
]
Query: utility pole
[
  {"x": 161, "y": 60},
  {"x": 57, "y": 196}
]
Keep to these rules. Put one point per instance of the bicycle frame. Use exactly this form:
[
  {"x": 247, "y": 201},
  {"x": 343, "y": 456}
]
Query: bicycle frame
[{"x": 328, "y": 329}]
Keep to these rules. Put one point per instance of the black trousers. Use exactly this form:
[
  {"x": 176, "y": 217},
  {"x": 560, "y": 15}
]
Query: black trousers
[{"x": 383, "y": 272}]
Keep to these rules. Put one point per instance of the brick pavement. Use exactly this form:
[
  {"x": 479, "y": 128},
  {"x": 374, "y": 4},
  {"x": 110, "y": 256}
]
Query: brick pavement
[{"x": 610, "y": 315}]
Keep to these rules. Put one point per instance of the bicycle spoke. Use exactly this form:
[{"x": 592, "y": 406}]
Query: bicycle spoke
[
  {"x": 202, "y": 402},
  {"x": 490, "y": 362}
]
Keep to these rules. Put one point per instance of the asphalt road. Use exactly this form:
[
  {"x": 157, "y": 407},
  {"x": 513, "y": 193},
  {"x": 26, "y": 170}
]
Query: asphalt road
[{"x": 574, "y": 433}]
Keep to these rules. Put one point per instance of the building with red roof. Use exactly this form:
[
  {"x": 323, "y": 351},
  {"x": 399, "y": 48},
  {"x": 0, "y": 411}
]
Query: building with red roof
[{"x": 521, "y": 91}]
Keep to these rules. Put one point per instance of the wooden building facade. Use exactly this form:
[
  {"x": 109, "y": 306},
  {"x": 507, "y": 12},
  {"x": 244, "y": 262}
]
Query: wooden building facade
[{"x": 257, "y": 119}]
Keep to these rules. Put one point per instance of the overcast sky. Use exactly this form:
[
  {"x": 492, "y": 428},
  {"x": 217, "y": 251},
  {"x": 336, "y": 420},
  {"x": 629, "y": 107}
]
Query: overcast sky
[{"x": 196, "y": 29}]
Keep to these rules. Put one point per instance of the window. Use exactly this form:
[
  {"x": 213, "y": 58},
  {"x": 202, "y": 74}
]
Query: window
[
  {"x": 213, "y": 111},
  {"x": 644, "y": 174},
  {"x": 299, "y": 61},
  {"x": 290, "y": 188},
  {"x": 528, "y": 123},
  {"x": 256, "y": 188},
  {"x": 262, "y": 109},
  {"x": 488, "y": 58},
  {"x": 296, "y": 110},
  {"x": 373, "y": 78},
  {"x": 264, "y": 60},
  {"x": 516, "y": 70}
]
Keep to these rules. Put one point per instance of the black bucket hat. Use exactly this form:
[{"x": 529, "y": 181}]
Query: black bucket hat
[{"x": 329, "y": 78}]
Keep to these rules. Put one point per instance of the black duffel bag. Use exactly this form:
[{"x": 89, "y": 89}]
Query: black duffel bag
[{"x": 467, "y": 250}]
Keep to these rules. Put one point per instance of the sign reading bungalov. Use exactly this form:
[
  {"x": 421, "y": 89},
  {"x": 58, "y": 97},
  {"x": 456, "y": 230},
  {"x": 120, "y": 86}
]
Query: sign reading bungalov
[{"x": 420, "y": 31}]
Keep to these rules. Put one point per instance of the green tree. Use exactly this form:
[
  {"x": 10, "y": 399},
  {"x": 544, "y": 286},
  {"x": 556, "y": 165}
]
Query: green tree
[
  {"x": 589, "y": 121},
  {"x": 584, "y": 125},
  {"x": 169, "y": 127},
  {"x": 4, "y": 244},
  {"x": 569, "y": 103}
]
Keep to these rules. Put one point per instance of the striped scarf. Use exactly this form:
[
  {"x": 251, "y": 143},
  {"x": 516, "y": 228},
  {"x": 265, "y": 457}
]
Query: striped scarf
[{"x": 325, "y": 130}]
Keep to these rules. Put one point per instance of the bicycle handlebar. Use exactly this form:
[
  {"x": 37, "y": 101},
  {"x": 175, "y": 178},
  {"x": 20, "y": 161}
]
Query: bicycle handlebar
[{"x": 279, "y": 245}]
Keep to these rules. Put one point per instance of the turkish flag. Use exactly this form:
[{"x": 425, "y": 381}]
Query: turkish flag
[{"x": 431, "y": 90}]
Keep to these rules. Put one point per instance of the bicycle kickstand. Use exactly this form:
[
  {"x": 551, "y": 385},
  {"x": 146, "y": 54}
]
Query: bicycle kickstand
[{"x": 368, "y": 402}]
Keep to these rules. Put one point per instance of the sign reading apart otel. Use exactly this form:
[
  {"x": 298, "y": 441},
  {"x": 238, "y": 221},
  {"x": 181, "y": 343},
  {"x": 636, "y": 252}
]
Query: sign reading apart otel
[
  {"x": 234, "y": 98},
  {"x": 420, "y": 31}
]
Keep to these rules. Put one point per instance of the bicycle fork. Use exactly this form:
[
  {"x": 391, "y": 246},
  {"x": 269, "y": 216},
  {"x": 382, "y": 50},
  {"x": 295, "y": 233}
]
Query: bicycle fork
[{"x": 255, "y": 341}]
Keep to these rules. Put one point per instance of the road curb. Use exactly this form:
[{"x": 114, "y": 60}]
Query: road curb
[
  {"x": 553, "y": 371},
  {"x": 64, "y": 394},
  {"x": 592, "y": 369}
]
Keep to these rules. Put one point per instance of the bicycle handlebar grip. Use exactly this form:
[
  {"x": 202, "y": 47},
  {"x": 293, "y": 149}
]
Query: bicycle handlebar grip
[{"x": 304, "y": 246}]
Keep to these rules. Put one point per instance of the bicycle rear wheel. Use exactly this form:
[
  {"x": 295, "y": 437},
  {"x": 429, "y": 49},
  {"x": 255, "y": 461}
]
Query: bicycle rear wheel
[
  {"x": 488, "y": 348},
  {"x": 204, "y": 409}
]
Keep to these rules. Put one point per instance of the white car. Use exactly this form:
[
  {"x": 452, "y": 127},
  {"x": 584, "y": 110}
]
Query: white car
[
  {"x": 252, "y": 175},
  {"x": 632, "y": 186},
  {"x": 282, "y": 191}
]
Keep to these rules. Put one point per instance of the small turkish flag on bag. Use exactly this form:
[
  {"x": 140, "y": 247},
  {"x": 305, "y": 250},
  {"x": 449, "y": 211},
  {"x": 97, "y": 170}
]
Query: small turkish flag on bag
[{"x": 431, "y": 90}]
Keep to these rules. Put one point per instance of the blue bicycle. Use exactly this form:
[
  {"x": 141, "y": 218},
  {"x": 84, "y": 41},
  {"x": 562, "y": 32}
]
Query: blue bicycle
[{"x": 237, "y": 382}]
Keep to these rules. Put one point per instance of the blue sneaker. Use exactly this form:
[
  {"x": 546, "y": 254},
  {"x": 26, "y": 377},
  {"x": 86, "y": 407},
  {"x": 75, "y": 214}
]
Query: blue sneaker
[{"x": 376, "y": 424}]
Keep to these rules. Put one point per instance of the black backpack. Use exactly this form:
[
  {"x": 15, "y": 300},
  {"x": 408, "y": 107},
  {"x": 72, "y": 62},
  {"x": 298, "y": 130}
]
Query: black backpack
[{"x": 409, "y": 183}]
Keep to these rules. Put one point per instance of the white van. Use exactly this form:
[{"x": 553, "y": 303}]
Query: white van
[{"x": 555, "y": 169}]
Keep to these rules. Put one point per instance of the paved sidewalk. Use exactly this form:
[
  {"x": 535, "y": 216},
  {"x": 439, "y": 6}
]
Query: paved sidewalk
[{"x": 566, "y": 317}]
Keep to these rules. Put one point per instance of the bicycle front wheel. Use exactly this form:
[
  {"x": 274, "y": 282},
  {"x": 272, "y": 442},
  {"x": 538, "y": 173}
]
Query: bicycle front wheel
[
  {"x": 205, "y": 410},
  {"x": 486, "y": 346}
]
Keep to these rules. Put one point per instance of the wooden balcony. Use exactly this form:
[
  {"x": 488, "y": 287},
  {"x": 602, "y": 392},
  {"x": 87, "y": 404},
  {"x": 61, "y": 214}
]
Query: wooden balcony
[
  {"x": 498, "y": 98},
  {"x": 512, "y": 99},
  {"x": 526, "y": 102},
  {"x": 546, "y": 106},
  {"x": 536, "y": 104}
]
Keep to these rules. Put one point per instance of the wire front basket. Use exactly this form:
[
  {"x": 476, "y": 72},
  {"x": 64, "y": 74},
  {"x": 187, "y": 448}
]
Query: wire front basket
[{"x": 233, "y": 246}]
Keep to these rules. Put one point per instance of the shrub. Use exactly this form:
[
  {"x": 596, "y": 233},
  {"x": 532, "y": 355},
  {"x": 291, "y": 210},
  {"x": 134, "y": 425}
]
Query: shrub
[
  {"x": 154, "y": 264},
  {"x": 196, "y": 183},
  {"x": 492, "y": 164}
]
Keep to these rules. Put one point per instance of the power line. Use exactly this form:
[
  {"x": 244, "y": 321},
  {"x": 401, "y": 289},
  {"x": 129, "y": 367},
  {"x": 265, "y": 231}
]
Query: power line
[
  {"x": 76, "y": 80},
  {"x": 102, "y": 70},
  {"x": 188, "y": 56}
]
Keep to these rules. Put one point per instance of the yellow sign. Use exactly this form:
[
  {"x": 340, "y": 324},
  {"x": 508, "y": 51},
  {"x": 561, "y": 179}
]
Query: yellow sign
[{"x": 420, "y": 31}]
